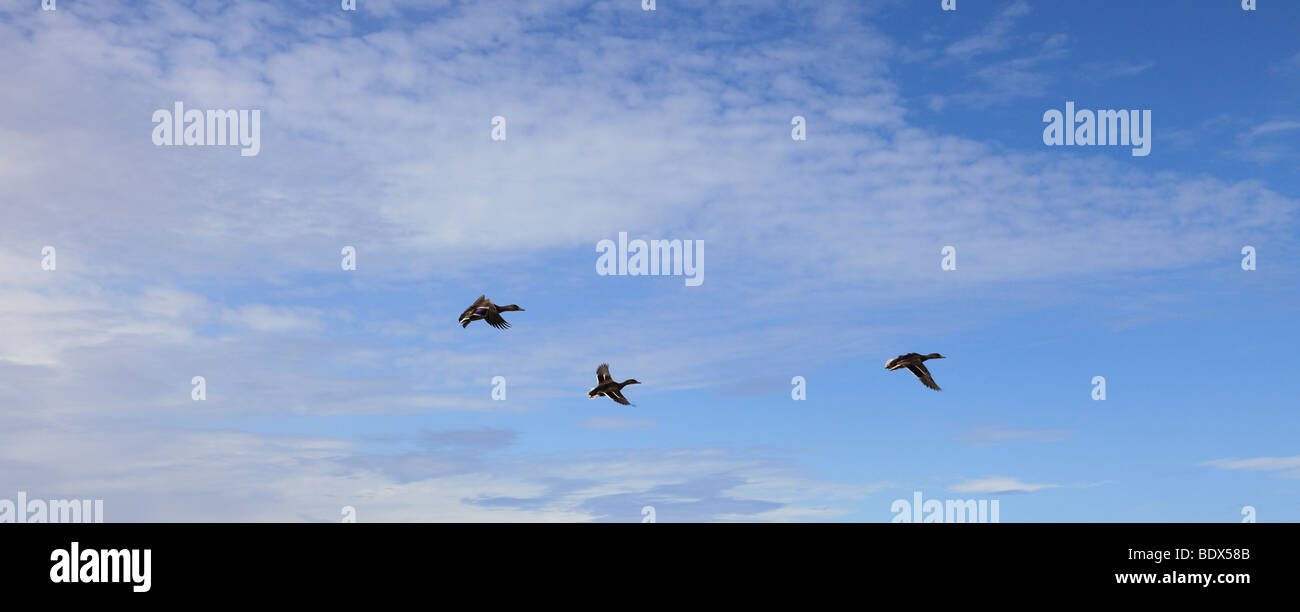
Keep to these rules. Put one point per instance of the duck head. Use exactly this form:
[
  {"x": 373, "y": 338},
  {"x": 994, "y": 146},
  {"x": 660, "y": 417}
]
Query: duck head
[
  {"x": 509, "y": 308},
  {"x": 935, "y": 356}
]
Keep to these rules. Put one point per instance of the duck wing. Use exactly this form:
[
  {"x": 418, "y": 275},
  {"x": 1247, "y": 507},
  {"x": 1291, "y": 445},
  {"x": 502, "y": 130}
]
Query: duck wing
[
  {"x": 923, "y": 374},
  {"x": 602, "y": 374},
  {"x": 494, "y": 319},
  {"x": 471, "y": 308},
  {"x": 617, "y": 396},
  {"x": 901, "y": 360}
]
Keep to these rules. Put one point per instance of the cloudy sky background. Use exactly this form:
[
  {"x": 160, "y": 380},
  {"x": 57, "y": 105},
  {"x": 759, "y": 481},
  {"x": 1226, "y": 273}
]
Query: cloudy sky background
[{"x": 329, "y": 388}]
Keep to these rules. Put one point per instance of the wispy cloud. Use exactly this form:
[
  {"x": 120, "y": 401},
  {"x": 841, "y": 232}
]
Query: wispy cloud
[
  {"x": 264, "y": 318},
  {"x": 615, "y": 423},
  {"x": 1290, "y": 64},
  {"x": 995, "y": 35},
  {"x": 993, "y": 435},
  {"x": 1289, "y": 466},
  {"x": 1272, "y": 127},
  {"x": 1000, "y": 485},
  {"x": 1268, "y": 141},
  {"x": 1115, "y": 69},
  {"x": 482, "y": 438},
  {"x": 1002, "y": 62},
  {"x": 239, "y": 476}
]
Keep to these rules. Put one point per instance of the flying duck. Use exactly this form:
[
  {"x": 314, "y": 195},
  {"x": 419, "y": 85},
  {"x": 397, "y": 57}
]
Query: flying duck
[
  {"x": 608, "y": 387},
  {"x": 915, "y": 363},
  {"x": 484, "y": 309}
]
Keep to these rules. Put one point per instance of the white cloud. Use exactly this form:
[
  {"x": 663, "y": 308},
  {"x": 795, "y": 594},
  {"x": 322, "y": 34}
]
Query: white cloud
[
  {"x": 1289, "y": 64},
  {"x": 234, "y": 476},
  {"x": 1000, "y": 484},
  {"x": 994, "y": 36},
  {"x": 1272, "y": 127},
  {"x": 264, "y": 318},
  {"x": 1290, "y": 465},
  {"x": 616, "y": 423},
  {"x": 994, "y": 435}
]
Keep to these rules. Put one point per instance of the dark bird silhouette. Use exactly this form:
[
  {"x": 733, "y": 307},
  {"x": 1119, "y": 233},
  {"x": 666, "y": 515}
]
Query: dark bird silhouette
[
  {"x": 484, "y": 309},
  {"x": 608, "y": 387},
  {"x": 915, "y": 363}
]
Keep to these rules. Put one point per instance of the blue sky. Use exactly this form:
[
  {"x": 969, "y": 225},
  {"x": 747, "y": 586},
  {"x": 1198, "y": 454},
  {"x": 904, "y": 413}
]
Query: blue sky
[{"x": 329, "y": 388}]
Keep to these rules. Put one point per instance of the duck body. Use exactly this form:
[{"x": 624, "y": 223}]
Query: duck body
[
  {"x": 915, "y": 362},
  {"x": 484, "y": 310},
  {"x": 608, "y": 387}
]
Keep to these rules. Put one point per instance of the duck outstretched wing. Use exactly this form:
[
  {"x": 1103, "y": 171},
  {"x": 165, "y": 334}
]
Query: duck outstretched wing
[
  {"x": 923, "y": 374},
  {"x": 471, "y": 308},
  {"x": 618, "y": 397},
  {"x": 494, "y": 319}
]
